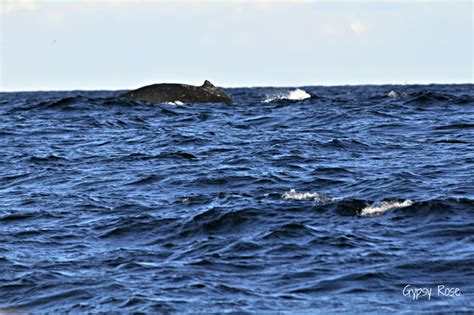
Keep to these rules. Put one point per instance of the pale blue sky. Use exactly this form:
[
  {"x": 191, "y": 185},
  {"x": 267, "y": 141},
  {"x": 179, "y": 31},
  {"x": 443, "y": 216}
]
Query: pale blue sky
[{"x": 63, "y": 45}]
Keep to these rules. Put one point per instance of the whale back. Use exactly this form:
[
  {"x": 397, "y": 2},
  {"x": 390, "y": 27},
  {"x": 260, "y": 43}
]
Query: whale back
[{"x": 172, "y": 92}]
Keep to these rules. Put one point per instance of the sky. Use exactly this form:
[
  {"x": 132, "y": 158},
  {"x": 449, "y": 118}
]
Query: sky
[{"x": 106, "y": 44}]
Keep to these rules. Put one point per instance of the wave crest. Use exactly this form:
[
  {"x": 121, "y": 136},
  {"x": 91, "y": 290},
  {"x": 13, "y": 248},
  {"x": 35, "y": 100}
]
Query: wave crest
[
  {"x": 295, "y": 95},
  {"x": 174, "y": 103},
  {"x": 292, "y": 194},
  {"x": 385, "y": 206},
  {"x": 393, "y": 94}
]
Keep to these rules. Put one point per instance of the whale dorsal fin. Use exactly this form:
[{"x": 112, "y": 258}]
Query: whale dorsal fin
[{"x": 207, "y": 85}]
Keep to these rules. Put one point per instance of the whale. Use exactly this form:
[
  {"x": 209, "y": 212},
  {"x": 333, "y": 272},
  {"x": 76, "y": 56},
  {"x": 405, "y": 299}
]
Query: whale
[{"x": 179, "y": 93}]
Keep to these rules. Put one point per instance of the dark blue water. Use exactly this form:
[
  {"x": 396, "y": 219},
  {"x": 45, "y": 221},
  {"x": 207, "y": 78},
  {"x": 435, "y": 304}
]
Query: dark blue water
[{"x": 341, "y": 202}]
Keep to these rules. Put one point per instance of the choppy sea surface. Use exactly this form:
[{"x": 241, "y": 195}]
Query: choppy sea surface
[{"x": 309, "y": 200}]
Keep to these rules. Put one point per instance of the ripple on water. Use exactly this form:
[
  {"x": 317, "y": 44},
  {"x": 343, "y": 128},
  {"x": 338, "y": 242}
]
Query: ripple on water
[{"x": 310, "y": 199}]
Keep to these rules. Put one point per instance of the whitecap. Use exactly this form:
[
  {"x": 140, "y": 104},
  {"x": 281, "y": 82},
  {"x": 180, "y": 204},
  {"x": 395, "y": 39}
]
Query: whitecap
[
  {"x": 295, "y": 95},
  {"x": 175, "y": 103},
  {"x": 393, "y": 94},
  {"x": 292, "y": 194},
  {"x": 385, "y": 206}
]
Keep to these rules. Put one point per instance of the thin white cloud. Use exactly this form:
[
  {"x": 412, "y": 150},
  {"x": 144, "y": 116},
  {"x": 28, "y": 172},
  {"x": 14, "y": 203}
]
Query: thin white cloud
[
  {"x": 8, "y": 6},
  {"x": 358, "y": 27}
]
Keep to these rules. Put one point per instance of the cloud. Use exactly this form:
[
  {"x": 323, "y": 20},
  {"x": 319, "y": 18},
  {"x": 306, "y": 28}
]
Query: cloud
[
  {"x": 358, "y": 27},
  {"x": 8, "y": 6}
]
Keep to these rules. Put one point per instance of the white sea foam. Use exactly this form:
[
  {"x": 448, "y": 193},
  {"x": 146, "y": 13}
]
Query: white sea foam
[
  {"x": 175, "y": 103},
  {"x": 385, "y": 206},
  {"x": 393, "y": 94},
  {"x": 292, "y": 194},
  {"x": 295, "y": 95}
]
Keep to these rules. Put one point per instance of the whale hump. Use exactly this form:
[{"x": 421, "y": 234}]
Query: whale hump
[
  {"x": 207, "y": 84},
  {"x": 174, "y": 92}
]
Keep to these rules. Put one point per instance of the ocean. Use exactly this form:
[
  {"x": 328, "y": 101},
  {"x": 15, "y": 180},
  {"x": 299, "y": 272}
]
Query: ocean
[{"x": 352, "y": 199}]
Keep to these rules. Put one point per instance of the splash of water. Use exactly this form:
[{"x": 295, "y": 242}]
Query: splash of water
[{"x": 295, "y": 95}]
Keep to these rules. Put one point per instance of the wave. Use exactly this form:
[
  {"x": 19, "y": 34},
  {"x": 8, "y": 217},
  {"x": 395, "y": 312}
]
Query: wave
[
  {"x": 295, "y": 95},
  {"x": 47, "y": 158},
  {"x": 423, "y": 97},
  {"x": 216, "y": 220},
  {"x": 393, "y": 94},
  {"x": 461, "y": 126},
  {"x": 292, "y": 194},
  {"x": 177, "y": 155},
  {"x": 357, "y": 208},
  {"x": 452, "y": 141},
  {"x": 65, "y": 103},
  {"x": 385, "y": 206},
  {"x": 149, "y": 179},
  {"x": 174, "y": 103}
]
